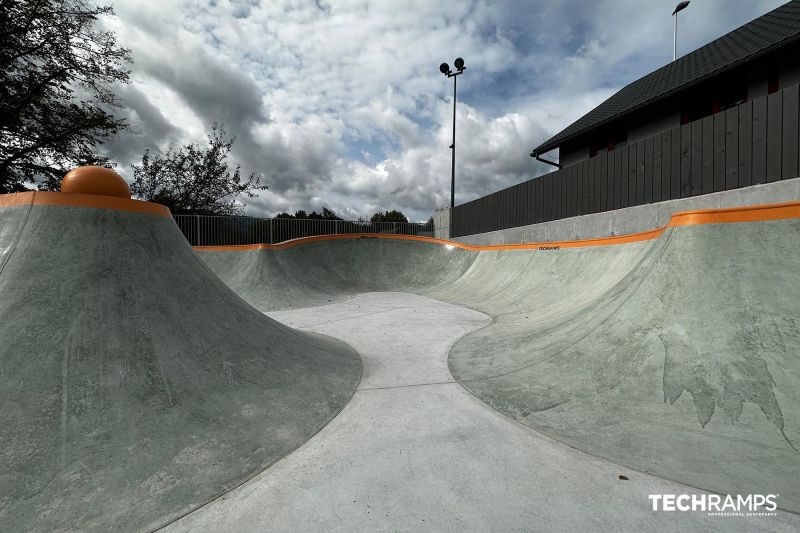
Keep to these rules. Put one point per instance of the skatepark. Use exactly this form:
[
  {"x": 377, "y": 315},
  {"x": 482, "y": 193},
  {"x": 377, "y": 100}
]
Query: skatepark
[{"x": 386, "y": 382}]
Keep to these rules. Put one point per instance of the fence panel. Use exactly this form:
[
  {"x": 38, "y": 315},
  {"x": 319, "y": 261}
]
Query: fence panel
[
  {"x": 789, "y": 133},
  {"x": 707, "y": 157},
  {"x": 632, "y": 166},
  {"x": 202, "y": 230},
  {"x": 731, "y": 179},
  {"x": 623, "y": 176},
  {"x": 675, "y": 164},
  {"x": 656, "y": 169},
  {"x": 745, "y": 144},
  {"x": 719, "y": 152},
  {"x": 648, "y": 171},
  {"x": 666, "y": 161},
  {"x": 774, "y": 130},
  {"x": 613, "y": 183},
  {"x": 759, "y": 140},
  {"x": 585, "y": 209}
]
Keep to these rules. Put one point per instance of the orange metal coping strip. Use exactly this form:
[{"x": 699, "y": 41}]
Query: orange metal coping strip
[
  {"x": 83, "y": 200},
  {"x": 753, "y": 213},
  {"x": 16, "y": 199}
]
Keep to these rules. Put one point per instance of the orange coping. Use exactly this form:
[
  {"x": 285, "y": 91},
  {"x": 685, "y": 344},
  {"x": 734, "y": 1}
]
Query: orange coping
[
  {"x": 753, "y": 213},
  {"x": 83, "y": 200}
]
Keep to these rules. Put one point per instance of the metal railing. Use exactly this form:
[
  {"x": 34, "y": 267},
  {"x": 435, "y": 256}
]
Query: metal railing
[{"x": 204, "y": 230}]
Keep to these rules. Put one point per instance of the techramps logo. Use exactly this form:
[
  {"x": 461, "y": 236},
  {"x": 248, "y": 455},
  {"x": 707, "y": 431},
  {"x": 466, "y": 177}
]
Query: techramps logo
[{"x": 716, "y": 504}]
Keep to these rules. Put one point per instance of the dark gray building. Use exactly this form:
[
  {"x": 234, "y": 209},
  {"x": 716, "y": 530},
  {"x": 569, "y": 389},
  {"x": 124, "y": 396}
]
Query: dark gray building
[
  {"x": 759, "y": 58},
  {"x": 722, "y": 117}
]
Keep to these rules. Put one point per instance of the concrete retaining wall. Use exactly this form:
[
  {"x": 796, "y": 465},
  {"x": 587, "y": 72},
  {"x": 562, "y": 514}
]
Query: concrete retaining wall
[
  {"x": 630, "y": 219},
  {"x": 441, "y": 223}
]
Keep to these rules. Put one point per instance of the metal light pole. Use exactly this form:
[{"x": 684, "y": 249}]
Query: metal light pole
[
  {"x": 444, "y": 68},
  {"x": 679, "y": 7}
]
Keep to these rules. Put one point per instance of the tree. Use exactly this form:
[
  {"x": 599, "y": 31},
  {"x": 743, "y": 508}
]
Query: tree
[
  {"x": 328, "y": 214},
  {"x": 193, "y": 180},
  {"x": 389, "y": 216},
  {"x": 56, "y": 73}
]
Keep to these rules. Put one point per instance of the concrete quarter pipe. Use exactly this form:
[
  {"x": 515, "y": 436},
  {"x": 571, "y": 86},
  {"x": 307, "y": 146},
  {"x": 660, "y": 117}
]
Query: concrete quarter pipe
[
  {"x": 674, "y": 352},
  {"x": 134, "y": 385},
  {"x": 137, "y": 387}
]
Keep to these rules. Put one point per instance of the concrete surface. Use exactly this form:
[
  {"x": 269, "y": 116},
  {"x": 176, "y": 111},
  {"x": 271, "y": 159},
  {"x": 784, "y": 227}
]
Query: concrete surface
[
  {"x": 134, "y": 385},
  {"x": 675, "y": 356},
  {"x": 685, "y": 368},
  {"x": 632, "y": 219},
  {"x": 441, "y": 223},
  {"x": 323, "y": 272},
  {"x": 413, "y": 451}
]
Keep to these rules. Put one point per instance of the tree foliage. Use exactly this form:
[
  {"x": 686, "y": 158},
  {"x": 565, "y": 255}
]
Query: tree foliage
[
  {"x": 327, "y": 214},
  {"x": 389, "y": 216},
  {"x": 195, "y": 180},
  {"x": 56, "y": 73}
]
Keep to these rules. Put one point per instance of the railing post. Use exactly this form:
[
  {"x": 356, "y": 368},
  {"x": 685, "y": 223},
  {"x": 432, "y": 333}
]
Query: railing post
[{"x": 197, "y": 229}]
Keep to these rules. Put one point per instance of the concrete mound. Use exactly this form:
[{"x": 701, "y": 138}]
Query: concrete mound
[
  {"x": 134, "y": 385},
  {"x": 676, "y": 354}
]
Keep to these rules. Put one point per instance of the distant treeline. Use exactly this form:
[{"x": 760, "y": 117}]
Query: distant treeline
[{"x": 328, "y": 214}]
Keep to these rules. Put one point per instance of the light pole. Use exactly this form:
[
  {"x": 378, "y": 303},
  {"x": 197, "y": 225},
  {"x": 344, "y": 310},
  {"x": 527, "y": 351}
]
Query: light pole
[
  {"x": 681, "y": 6},
  {"x": 444, "y": 68}
]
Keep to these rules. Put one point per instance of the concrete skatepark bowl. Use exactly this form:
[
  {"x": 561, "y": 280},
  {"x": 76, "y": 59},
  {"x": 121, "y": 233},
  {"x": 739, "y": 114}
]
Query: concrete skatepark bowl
[{"x": 144, "y": 385}]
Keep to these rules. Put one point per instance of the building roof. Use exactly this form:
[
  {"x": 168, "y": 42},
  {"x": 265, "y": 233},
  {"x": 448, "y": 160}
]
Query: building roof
[{"x": 760, "y": 36}]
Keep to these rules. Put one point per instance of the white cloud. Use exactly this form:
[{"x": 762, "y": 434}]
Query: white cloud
[{"x": 341, "y": 103}]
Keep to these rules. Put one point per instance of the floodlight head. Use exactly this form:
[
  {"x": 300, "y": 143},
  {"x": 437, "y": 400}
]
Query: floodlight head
[
  {"x": 681, "y": 6},
  {"x": 444, "y": 68},
  {"x": 459, "y": 63}
]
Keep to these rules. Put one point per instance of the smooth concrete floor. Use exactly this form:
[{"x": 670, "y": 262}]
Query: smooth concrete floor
[{"x": 413, "y": 450}]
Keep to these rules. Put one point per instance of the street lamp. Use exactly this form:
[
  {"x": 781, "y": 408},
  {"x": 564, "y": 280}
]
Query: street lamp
[
  {"x": 444, "y": 68},
  {"x": 681, "y": 6}
]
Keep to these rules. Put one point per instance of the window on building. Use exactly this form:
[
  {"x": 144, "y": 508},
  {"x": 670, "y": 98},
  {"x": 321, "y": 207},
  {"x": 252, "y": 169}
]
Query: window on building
[
  {"x": 713, "y": 97},
  {"x": 773, "y": 81},
  {"x": 608, "y": 139}
]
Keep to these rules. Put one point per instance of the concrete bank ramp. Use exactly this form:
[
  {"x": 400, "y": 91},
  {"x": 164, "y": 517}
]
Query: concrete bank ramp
[
  {"x": 134, "y": 385},
  {"x": 675, "y": 352},
  {"x": 322, "y": 271}
]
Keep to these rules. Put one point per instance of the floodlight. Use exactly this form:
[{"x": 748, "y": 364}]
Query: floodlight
[
  {"x": 459, "y": 63},
  {"x": 444, "y": 68},
  {"x": 681, "y": 6}
]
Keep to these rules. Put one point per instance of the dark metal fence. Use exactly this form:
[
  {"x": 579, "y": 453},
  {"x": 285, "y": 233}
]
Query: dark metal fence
[
  {"x": 201, "y": 230},
  {"x": 755, "y": 142}
]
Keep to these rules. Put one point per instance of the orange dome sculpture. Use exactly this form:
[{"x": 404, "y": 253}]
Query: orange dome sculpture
[{"x": 95, "y": 180}]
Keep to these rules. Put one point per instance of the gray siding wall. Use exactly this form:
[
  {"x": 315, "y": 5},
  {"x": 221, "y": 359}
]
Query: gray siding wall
[
  {"x": 636, "y": 219},
  {"x": 756, "y": 142}
]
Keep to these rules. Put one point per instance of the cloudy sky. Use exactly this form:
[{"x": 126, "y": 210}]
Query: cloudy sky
[{"x": 340, "y": 103}]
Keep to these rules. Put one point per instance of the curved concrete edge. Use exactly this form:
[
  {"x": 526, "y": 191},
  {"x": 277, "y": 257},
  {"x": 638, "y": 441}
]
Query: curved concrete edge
[
  {"x": 752, "y": 213},
  {"x": 554, "y": 438},
  {"x": 82, "y": 200},
  {"x": 264, "y": 468},
  {"x": 153, "y": 235},
  {"x": 468, "y": 448},
  {"x": 709, "y": 246}
]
